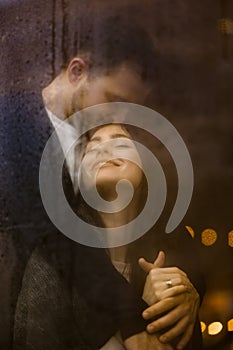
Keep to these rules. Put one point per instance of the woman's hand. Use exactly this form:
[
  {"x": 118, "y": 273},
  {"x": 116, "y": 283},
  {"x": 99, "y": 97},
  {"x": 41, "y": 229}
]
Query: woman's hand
[
  {"x": 161, "y": 282},
  {"x": 168, "y": 291}
]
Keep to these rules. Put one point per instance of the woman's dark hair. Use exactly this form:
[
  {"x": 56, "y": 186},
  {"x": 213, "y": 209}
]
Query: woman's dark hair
[{"x": 148, "y": 240}]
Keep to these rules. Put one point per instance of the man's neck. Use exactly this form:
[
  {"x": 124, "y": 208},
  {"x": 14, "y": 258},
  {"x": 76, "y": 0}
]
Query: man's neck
[{"x": 54, "y": 98}]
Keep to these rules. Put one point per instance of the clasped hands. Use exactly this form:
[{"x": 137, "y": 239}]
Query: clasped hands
[{"x": 173, "y": 301}]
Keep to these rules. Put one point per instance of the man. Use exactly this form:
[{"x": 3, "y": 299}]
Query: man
[{"x": 113, "y": 70}]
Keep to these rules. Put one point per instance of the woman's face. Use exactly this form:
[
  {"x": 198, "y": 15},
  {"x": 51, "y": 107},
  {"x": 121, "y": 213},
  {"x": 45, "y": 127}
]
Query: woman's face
[{"x": 106, "y": 158}]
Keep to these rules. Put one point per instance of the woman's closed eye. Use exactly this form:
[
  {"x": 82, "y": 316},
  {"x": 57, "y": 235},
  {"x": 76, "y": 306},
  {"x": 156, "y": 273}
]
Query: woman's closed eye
[
  {"x": 123, "y": 143},
  {"x": 123, "y": 146},
  {"x": 91, "y": 150}
]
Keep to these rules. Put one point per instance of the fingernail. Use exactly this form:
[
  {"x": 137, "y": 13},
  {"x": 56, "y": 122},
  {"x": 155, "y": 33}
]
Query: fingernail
[
  {"x": 145, "y": 314},
  {"x": 163, "y": 339},
  {"x": 151, "y": 328}
]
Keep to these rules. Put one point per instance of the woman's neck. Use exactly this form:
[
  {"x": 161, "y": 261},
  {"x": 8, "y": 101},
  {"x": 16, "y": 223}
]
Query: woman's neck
[
  {"x": 117, "y": 219},
  {"x": 118, "y": 254}
]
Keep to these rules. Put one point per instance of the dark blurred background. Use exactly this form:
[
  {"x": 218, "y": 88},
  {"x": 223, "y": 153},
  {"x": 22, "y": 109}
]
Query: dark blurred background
[{"x": 194, "y": 90}]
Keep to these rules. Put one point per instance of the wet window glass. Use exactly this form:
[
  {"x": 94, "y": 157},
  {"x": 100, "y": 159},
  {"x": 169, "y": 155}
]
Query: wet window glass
[{"x": 159, "y": 73}]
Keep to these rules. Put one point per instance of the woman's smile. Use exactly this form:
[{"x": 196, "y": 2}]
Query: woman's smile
[{"x": 108, "y": 163}]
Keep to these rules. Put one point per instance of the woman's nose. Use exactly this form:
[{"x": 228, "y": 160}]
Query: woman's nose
[{"x": 105, "y": 148}]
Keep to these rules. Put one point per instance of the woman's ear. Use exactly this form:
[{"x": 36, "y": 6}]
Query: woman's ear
[{"x": 76, "y": 69}]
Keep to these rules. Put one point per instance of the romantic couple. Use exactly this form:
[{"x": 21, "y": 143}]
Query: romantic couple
[{"x": 143, "y": 295}]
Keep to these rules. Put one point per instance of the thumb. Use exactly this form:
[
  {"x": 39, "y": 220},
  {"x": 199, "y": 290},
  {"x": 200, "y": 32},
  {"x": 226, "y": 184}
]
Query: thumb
[
  {"x": 147, "y": 266},
  {"x": 160, "y": 260}
]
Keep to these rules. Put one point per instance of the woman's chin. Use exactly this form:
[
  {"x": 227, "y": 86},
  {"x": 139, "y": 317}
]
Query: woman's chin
[{"x": 107, "y": 193}]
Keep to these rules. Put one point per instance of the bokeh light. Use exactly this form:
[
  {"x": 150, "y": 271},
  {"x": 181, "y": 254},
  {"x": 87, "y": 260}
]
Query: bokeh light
[
  {"x": 190, "y": 231},
  {"x": 208, "y": 237},
  {"x": 203, "y": 326},
  {"x": 215, "y": 328},
  {"x": 230, "y": 238},
  {"x": 230, "y": 325}
]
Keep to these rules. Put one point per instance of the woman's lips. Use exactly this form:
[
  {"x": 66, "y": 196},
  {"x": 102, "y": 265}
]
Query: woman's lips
[{"x": 105, "y": 163}]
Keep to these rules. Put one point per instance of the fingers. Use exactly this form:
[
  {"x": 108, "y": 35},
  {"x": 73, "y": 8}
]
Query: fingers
[
  {"x": 168, "y": 298},
  {"x": 180, "y": 318},
  {"x": 176, "y": 290},
  {"x": 168, "y": 320},
  {"x": 157, "y": 276},
  {"x": 186, "y": 337},
  {"x": 179, "y": 328},
  {"x": 147, "y": 266},
  {"x": 160, "y": 291},
  {"x": 172, "y": 271},
  {"x": 161, "y": 307},
  {"x": 160, "y": 260},
  {"x": 158, "y": 281}
]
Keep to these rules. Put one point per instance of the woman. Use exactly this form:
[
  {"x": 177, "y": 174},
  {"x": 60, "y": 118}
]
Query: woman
[
  {"x": 110, "y": 157},
  {"x": 55, "y": 311}
]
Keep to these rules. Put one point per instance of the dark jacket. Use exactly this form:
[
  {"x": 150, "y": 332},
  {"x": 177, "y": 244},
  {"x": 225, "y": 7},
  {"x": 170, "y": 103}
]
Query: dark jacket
[
  {"x": 65, "y": 305},
  {"x": 25, "y": 130},
  {"x": 55, "y": 310}
]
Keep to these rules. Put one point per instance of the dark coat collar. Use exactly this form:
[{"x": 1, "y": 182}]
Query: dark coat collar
[{"x": 25, "y": 130}]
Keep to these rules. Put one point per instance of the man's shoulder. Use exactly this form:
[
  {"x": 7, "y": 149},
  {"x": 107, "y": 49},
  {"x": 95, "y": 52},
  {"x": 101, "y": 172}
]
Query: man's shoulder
[
  {"x": 53, "y": 245},
  {"x": 23, "y": 115},
  {"x": 52, "y": 256}
]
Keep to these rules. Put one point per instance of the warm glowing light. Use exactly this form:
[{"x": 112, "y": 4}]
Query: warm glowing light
[
  {"x": 190, "y": 231},
  {"x": 230, "y": 325},
  {"x": 225, "y": 25},
  {"x": 230, "y": 239},
  {"x": 215, "y": 328},
  {"x": 203, "y": 326},
  {"x": 208, "y": 237}
]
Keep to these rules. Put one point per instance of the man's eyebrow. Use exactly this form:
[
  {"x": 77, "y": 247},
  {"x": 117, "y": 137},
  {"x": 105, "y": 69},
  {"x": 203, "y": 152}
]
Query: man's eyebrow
[{"x": 111, "y": 97}]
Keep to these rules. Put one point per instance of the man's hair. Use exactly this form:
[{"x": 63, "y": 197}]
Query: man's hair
[{"x": 106, "y": 42}]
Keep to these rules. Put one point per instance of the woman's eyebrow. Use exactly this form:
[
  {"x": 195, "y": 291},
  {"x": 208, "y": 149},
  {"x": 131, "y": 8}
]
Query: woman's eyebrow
[
  {"x": 96, "y": 138},
  {"x": 115, "y": 136},
  {"x": 112, "y": 136}
]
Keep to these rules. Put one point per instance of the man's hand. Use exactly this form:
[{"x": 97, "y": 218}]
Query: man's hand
[
  {"x": 179, "y": 302},
  {"x": 145, "y": 341}
]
